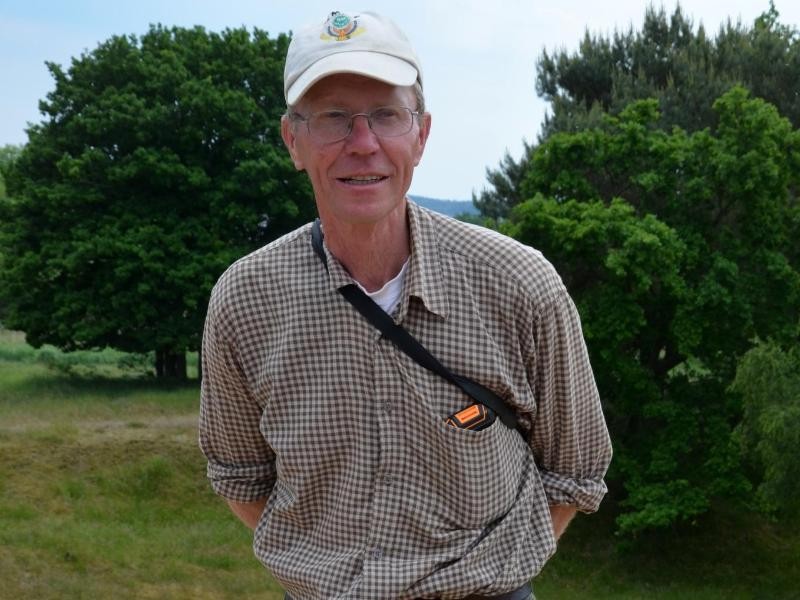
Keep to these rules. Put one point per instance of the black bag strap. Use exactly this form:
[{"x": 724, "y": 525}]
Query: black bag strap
[{"x": 409, "y": 344}]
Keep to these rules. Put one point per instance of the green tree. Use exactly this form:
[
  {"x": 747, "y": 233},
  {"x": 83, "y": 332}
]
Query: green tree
[
  {"x": 729, "y": 193},
  {"x": 8, "y": 154},
  {"x": 158, "y": 163},
  {"x": 625, "y": 274},
  {"x": 684, "y": 68},
  {"x": 680, "y": 249},
  {"x": 768, "y": 379},
  {"x": 497, "y": 201}
]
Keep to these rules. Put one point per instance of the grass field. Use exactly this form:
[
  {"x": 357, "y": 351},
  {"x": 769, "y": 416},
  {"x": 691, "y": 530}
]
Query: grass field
[{"x": 103, "y": 495}]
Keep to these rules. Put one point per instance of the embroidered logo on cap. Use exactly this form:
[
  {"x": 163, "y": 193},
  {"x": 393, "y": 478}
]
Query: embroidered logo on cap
[{"x": 341, "y": 27}]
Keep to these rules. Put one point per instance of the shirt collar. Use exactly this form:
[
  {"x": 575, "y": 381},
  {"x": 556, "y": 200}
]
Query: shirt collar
[{"x": 425, "y": 278}]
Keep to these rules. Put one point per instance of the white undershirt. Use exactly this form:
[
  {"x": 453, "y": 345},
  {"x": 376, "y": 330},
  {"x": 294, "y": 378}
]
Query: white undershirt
[{"x": 388, "y": 297}]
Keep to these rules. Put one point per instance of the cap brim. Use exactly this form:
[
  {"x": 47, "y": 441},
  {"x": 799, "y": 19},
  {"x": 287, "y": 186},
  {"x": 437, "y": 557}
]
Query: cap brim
[{"x": 375, "y": 65}]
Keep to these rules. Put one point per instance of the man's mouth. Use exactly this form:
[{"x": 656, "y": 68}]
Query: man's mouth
[{"x": 362, "y": 179}]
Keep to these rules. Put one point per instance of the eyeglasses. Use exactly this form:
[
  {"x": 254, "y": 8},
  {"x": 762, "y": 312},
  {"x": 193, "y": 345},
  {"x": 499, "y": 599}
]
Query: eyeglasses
[{"x": 329, "y": 126}]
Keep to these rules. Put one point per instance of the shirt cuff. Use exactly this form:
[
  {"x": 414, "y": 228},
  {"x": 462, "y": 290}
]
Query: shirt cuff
[
  {"x": 241, "y": 483},
  {"x": 583, "y": 494}
]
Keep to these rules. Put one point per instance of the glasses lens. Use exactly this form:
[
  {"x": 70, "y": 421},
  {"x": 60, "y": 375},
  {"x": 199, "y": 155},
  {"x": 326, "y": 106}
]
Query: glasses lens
[
  {"x": 329, "y": 125},
  {"x": 390, "y": 121}
]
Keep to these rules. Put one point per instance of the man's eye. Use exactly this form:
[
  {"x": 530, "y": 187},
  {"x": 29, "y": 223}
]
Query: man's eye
[
  {"x": 332, "y": 116},
  {"x": 386, "y": 113}
]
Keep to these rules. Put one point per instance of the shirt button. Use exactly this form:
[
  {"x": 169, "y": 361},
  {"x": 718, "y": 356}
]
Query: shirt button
[
  {"x": 388, "y": 480},
  {"x": 376, "y": 553}
]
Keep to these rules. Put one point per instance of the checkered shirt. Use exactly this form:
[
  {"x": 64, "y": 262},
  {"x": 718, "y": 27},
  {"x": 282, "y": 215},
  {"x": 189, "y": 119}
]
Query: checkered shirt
[{"x": 370, "y": 494}]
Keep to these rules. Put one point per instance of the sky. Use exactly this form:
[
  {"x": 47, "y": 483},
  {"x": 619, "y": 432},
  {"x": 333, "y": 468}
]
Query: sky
[{"x": 478, "y": 58}]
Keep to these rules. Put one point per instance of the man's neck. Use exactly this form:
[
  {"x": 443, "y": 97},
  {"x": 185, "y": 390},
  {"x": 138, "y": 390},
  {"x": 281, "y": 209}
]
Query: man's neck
[{"x": 373, "y": 253}]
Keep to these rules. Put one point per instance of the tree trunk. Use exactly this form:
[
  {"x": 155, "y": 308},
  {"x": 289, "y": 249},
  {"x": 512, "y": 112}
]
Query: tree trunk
[{"x": 170, "y": 364}]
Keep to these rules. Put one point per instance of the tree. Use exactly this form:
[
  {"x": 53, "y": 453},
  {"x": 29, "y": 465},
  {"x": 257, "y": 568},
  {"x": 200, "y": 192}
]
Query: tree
[
  {"x": 159, "y": 162},
  {"x": 624, "y": 273},
  {"x": 683, "y": 68},
  {"x": 8, "y": 154},
  {"x": 768, "y": 380},
  {"x": 730, "y": 194},
  {"x": 496, "y": 202},
  {"x": 680, "y": 250}
]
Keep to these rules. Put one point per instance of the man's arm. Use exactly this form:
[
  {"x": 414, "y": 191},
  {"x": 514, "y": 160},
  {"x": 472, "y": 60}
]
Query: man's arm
[
  {"x": 250, "y": 512},
  {"x": 561, "y": 515},
  {"x": 569, "y": 436},
  {"x": 241, "y": 464}
]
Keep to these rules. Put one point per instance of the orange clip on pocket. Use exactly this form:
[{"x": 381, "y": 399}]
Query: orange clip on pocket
[{"x": 475, "y": 417}]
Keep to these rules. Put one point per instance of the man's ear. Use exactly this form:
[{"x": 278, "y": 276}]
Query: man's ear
[
  {"x": 422, "y": 136},
  {"x": 290, "y": 139}
]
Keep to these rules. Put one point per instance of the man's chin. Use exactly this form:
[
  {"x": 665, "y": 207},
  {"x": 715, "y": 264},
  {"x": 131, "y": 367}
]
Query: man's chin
[{"x": 367, "y": 211}]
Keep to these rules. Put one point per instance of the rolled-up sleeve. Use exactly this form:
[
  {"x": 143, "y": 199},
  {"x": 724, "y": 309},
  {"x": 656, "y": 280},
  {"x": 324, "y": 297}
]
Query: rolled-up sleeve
[
  {"x": 241, "y": 466},
  {"x": 569, "y": 437}
]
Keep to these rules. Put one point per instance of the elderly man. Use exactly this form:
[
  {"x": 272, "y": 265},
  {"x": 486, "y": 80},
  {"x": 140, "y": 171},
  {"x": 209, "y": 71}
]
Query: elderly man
[{"x": 363, "y": 473}]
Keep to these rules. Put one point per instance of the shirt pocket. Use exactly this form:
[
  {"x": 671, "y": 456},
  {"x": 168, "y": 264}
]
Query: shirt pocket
[
  {"x": 481, "y": 473},
  {"x": 460, "y": 478}
]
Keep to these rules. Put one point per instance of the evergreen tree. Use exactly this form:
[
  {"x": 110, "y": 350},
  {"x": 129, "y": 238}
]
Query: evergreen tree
[
  {"x": 668, "y": 59},
  {"x": 8, "y": 154}
]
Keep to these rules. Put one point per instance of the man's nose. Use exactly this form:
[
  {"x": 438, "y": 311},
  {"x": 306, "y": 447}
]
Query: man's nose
[{"x": 361, "y": 134}]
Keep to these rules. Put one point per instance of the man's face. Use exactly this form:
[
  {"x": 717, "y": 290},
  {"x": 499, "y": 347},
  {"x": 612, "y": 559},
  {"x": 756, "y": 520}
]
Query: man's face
[{"x": 362, "y": 178}]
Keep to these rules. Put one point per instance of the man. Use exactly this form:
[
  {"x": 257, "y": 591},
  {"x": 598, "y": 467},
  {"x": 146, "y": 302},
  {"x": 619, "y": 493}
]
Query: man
[{"x": 332, "y": 444}]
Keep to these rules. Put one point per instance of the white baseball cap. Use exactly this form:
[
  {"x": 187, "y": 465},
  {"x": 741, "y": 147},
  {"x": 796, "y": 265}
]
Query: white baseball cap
[{"x": 364, "y": 44}]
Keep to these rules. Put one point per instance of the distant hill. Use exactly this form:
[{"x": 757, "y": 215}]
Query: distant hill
[{"x": 451, "y": 208}]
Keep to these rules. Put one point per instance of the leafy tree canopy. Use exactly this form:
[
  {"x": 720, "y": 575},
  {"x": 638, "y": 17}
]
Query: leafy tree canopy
[
  {"x": 158, "y": 163},
  {"x": 680, "y": 249},
  {"x": 768, "y": 379}
]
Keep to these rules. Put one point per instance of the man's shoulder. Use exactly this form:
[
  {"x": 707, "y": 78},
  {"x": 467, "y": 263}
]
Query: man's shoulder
[
  {"x": 260, "y": 269},
  {"x": 492, "y": 251}
]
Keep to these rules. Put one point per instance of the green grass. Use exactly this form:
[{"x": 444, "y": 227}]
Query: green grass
[
  {"x": 103, "y": 495},
  {"x": 103, "y": 492},
  {"x": 107, "y": 362},
  {"x": 729, "y": 555}
]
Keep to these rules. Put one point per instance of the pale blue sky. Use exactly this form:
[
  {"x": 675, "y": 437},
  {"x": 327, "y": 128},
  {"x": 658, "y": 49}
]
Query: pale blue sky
[{"x": 478, "y": 58}]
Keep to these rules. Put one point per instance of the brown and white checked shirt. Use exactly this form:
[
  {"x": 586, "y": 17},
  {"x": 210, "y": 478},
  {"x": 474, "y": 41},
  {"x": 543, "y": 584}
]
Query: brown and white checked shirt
[{"x": 371, "y": 494}]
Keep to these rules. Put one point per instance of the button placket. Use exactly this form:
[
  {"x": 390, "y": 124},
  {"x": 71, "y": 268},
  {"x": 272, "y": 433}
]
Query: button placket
[{"x": 386, "y": 479}]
